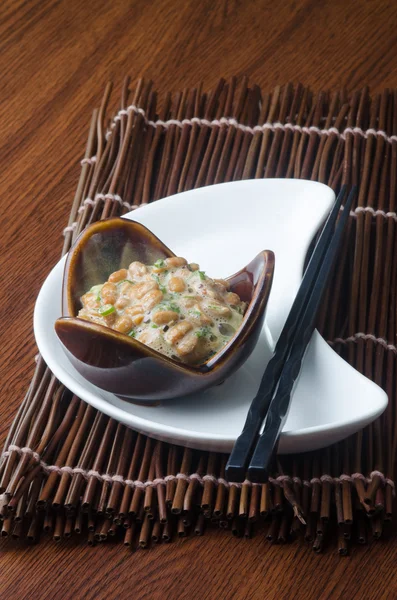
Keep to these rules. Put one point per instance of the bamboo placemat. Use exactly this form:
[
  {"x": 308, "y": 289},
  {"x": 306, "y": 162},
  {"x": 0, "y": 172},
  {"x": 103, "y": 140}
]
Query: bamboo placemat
[{"x": 67, "y": 469}]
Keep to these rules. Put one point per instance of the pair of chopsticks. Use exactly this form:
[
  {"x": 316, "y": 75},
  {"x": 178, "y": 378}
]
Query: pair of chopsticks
[{"x": 274, "y": 394}]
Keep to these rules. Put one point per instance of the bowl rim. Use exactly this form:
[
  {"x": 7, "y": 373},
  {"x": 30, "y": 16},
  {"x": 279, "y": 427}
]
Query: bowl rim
[{"x": 256, "y": 307}]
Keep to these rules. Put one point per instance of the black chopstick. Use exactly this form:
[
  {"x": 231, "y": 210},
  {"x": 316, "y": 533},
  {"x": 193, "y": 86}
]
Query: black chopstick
[
  {"x": 278, "y": 410},
  {"x": 238, "y": 461}
]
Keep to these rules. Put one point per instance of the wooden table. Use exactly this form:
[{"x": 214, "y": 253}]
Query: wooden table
[{"x": 56, "y": 57}]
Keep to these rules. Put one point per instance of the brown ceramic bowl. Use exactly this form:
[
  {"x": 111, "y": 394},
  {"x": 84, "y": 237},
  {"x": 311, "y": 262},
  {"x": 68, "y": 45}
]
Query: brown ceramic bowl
[{"x": 124, "y": 366}]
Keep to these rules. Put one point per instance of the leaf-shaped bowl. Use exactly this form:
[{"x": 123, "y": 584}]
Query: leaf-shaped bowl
[{"x": 124, "y": 366}]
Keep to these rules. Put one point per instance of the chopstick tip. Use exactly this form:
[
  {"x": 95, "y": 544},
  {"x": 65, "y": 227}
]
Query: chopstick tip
[
  {"x": 258, "y": 474},
  {"x": 234, "y": 473}
]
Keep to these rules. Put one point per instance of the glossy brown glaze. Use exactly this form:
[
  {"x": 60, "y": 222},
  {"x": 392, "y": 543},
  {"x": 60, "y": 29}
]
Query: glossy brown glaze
[
  {"x": 124, "y": 366},
  {"x": 101, "y": 249}
]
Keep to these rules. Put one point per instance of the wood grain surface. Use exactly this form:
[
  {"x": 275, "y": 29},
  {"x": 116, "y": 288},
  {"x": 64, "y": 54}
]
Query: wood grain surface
[{"x": 55, "y": 58}]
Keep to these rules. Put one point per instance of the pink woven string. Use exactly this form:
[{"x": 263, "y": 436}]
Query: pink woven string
[
  {"x": 280, "y": 480},
  {"x": 378, "y": 474},
  {"x": 70, "y": 228},
  {"x": 90, "y": 202},
  {"x": 364, "y": 336},
  {"x": 87, "y": 202},
  {"x": 19, "y": 450},
  {"x": 375, "y": 213},
  {"x": 315, "y": 480},
  {"x": 201, "y": 479},
  {"x": 222, "y": 481},
  {"x": 88, "y": 161},
  {"x": 231, "y": 122},
  {"x": 327, "y": 479}
]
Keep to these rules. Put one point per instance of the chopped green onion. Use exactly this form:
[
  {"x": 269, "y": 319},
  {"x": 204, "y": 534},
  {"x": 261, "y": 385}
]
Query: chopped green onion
[
  {"x": 202, "y": 275},
  {"x": 132, "y": 333},
  {"x": 169, "y": 306},
  {"x": 96, "y": 288},
  {"x": 154, "y": 326},
  {"x": 238, "y": 309},
  {"x": 161, "y": 287},
  {"x": 159, "y": 263},
  {"x": 197, "y": 313},
  {"x": 203, "y": 332},
  {"x": 106, "y": 310}
]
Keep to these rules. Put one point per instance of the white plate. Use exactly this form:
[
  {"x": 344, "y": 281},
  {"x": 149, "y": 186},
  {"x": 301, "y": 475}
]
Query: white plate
[{"x": 222, "y": 227}]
